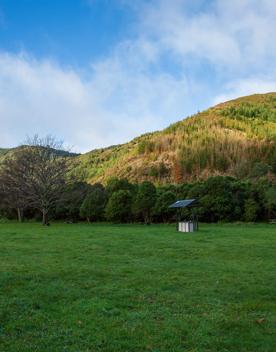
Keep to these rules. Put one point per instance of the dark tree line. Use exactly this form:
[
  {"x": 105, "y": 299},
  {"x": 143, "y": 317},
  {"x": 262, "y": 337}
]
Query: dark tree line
[{"x": 220, "y": 199}]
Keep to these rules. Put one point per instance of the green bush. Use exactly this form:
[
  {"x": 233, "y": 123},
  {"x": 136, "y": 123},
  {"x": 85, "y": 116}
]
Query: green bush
[
  {"x": 115, "y": 184},
  {"x": 94, "y": 203},
  {"x": 145, "y": 200},
  {"x": 161, "y": 210},
  {"x": 250, "y": 210},
  {"x": 118, "y": 208}
]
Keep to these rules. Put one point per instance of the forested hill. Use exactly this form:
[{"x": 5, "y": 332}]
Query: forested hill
[
  {"x": 236, "y": 138},
  {"x": 6, "y": 152}
]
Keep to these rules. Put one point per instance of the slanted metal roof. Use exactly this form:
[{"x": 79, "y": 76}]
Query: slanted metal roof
[{"x": 183, "y": 203}]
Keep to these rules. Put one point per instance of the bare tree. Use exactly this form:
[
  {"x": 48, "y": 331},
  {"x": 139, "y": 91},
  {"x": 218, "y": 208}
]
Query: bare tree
[
  {"x": 45, "y": 178},
  {"x": 12, "y": 178},
  {"x": 35, "y": 175}
]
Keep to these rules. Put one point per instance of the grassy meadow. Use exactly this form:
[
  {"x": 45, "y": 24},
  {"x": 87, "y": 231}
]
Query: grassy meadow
[{"x": 79, "y": 287}]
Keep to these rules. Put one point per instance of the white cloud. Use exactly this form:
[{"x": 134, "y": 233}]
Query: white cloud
[
  {"x": 225, "y": 33},
  {"x": 115, "y": 102}
]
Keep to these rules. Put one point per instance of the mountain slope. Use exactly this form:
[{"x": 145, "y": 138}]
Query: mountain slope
[
  {"x": 228, "y": 139},
  {"x": 236, "y": 138},
  {"x": 3, "y": 151}
]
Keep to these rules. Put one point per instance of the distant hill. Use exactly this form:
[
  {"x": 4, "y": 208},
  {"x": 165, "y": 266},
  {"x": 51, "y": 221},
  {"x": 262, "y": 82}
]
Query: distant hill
[
  {"x": 6, "y": 152},
  {"x": 236, "y": 138},
  {"x": 232, "y": 138}
]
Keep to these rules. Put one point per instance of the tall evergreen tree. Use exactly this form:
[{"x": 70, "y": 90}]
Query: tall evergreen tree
[{"x": 145, "y": 200}]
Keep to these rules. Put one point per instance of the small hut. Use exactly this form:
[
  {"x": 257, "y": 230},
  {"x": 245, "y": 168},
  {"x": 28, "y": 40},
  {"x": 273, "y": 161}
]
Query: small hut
[{"x": 190, "y": 223}]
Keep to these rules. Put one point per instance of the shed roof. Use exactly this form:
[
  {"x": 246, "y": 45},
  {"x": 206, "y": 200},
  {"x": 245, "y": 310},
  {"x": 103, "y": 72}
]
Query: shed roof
[{"x": 183, "y": 203}]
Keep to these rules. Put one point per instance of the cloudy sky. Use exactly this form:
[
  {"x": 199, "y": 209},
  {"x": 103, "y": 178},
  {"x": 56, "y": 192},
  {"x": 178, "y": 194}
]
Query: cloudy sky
[{"x": 100, "y": 72}]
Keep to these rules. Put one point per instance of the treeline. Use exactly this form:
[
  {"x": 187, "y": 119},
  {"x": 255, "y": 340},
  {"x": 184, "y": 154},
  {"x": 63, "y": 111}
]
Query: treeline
[
  {"x": 220, "y": 199},
  {"x": 36, "y": 182}
]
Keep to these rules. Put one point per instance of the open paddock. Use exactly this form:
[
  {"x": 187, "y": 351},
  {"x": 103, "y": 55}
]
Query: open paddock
[{"x": 101, "y": 287}]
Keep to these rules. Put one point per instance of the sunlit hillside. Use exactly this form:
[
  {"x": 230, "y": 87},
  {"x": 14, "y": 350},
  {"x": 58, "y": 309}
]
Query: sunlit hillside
[
  {"x": 232, "y": 138},
  {"x": 236, "y": 138}
]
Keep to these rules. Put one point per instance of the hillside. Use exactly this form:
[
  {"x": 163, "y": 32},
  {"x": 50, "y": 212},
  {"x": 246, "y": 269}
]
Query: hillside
[
  {"x": 236, "y": 138},
  {"x": 232, "y": 138},
  {"x": 6, "y": 152}
]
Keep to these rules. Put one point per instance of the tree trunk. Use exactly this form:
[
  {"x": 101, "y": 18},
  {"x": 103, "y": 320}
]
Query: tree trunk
[
  {"x": 20, "y": 214},
  {"x": 44, "y": 217},
  {"x": 147, "y": 218}
]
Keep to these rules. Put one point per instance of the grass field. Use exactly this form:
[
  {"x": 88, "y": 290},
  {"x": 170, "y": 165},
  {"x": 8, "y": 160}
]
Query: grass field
[{"x": 137, "y": 288}]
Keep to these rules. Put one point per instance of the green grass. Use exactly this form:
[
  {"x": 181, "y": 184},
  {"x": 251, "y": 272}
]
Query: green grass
[{"x": 137, "y": 288}]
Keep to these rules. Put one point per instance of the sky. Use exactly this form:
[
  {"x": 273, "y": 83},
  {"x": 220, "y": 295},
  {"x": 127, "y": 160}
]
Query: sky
[{"x": 100, "y": 72}]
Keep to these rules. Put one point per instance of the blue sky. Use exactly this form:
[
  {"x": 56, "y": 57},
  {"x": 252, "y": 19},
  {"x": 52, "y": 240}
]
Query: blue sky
[
  {"x": 100, "y": 72},
  {"x": 70, "y": 31}
]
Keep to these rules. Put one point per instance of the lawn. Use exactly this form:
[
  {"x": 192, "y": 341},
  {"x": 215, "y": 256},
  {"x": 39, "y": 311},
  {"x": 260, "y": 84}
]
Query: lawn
[{"x": 78, "y": 287}]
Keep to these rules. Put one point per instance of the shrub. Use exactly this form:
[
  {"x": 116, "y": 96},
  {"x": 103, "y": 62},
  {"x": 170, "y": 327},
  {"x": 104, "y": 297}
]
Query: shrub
[
  {"x": 250, "y": 210},
  {"x": 118, "y": 208},
  {"x": 161, "y": 209},
  {"x": 145, "y": 200},
  {"x": 115, "y": 184},
  {"x": 71, "y": 201},
  {"x": 94, "y": 203}
]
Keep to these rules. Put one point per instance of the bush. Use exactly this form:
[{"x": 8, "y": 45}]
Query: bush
[
  {"x": 250, "y": 210},
  {"x": 145, "y": 200},
  {"x": 220, "y": 198},
  {"x": 71, "y": 201},
  {"x": 94, "y": 203},
  {"x": 118, "y": 208},
  {"x": 161, "y": 210},
  {"x": 115, "y": 184}
]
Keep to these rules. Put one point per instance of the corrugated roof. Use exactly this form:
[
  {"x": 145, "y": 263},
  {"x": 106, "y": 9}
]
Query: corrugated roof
[{"x": 183, "y": 203}]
